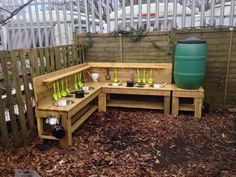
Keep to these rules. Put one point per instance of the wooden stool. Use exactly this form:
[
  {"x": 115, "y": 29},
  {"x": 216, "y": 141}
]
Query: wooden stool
[{"x": 197, "y": 95}]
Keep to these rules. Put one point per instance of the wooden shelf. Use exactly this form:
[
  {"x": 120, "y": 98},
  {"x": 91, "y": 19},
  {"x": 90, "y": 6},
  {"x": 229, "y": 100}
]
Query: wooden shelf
[
  {"x": 76, "y": 69},
  {"x": 66, "y": 74},
  {"x": 130, "y": 65},
  {"x": 186, "y": 107},
  {"x": 84, "y": 117},
  {"x": 135, "y": 104}
]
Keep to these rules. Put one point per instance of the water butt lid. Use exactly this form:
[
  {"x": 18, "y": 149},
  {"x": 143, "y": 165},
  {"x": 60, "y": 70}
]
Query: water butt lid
[{"x": 192, "y": 40}]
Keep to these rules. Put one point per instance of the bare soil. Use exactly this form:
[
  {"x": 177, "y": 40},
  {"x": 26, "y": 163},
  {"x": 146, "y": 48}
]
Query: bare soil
[{"x": 129, "y": 143}]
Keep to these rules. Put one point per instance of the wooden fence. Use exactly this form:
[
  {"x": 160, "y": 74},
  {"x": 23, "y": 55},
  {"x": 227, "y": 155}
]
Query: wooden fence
[
  {"x": 17, "y": 117},
  {"x": 220, "y": 80}
]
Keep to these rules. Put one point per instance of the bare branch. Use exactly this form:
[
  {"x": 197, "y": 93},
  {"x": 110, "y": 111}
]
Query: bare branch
[{"x": 14, "y": 12}]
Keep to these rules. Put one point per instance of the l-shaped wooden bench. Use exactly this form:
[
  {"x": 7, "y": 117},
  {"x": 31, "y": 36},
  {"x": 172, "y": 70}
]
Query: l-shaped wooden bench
[{"x": 104, "y": 95}]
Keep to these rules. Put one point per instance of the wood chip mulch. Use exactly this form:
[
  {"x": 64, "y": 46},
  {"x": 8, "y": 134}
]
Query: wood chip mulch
[{"x": 129, "y": 143}]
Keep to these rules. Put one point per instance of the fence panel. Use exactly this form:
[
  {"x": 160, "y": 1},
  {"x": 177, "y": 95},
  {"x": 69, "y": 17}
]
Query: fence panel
[
  {"x": 220, "y": 80},
  {"x": 45, "y": 23},
  {"x": 17, "y": 118}
]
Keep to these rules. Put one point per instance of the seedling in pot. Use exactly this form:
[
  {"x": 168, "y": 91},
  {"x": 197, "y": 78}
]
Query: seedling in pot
[
  {"x": 54, "y": 92},
  {"x": 63, "y": 92}
]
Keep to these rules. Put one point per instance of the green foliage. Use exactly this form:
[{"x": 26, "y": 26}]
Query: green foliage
[
  {"x": 133, "y": 35},
  {"x": 171, "y": 42},
  {"x": 88, "y": 43}
]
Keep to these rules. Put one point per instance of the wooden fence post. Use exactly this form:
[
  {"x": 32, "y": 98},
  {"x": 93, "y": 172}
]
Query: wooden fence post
[
  {"x": 19, "y": 98},
  {"x": 3, "y": 125},
  {"x": 10, "y": 103},
  {"x": 228, "y": 66},
  {"x": 30, "y": 113}
]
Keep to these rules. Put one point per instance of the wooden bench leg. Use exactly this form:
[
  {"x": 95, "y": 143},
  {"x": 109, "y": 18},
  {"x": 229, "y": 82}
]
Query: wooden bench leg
[
  {"x": 102, "y": 102},
  {"x": 40, "y": 126},
  {"x": 166, "y": 105},
  {"x": 175, "y": 106},
  {"x": 197, "y": 107},
  {"x": 66, "y": 141}
]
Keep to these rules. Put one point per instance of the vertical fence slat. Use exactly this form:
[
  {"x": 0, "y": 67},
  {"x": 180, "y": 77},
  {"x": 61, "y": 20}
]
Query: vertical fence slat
[
  {"x": 157, "y": 6},
  {"x": 29, "y": 105},
  {"x": 174, "y": 13},
  {"x": 212, "y": 12},
  {"x": 74, "y": 56},
  {"x": 72, "y": 17},
  {"x": 148, "y": 14},
  {"x": 65, "y": 58},
  {"x": 79, "y": 17},
  {"x": 48, "y": 66},
  {"x": 69, "y": 56},
  {"x": 52, "y": 58},
  {"x": 132, "y": 13},
  {"x": 66, "y": 32},
  {"x": 232, "y": 7},
  {"x": 222, "y": 12},
  {"x": 33, "y": 56},
  {"x": 38, "y": 24},
  {"x": 26, "y": 38},
  {"x": 100, "y": 16},
  {"x": 165, "y": 14},
  {"x": 82, "y": 53},
  {"x": 19, "y": 98},
  {"x": 19, "y": 38},
  {"x": 116, "y": 14},
  {"x": 10, "y": 101},
  {"x": 108, "y": 16},
  {"x": 31, "y": 26},
  {"x": 123, "y": 14},
  {"x": 93, "y": 16},
  {"x": 193, "y": 13},
  {"x": 183, "y": 14},
  {"x": 58, "y": 19},
  {"x": 46, "y": 36},
  {"x": 202, "y": 22},
  {"x": 87, "y": 16},
  {"x": 139, "y": 13},
  {"x": 3, "y": 125},
  {"x": 57, "y": 58},
  {"x": 41, "y": 59}
]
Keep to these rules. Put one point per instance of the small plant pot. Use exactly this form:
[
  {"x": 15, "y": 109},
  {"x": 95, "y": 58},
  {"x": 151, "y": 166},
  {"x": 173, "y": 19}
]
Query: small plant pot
[{"x": 130, "y": 83}]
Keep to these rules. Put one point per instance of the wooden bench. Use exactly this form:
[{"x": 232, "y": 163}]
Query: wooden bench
[
  {"x": 103, "y": 94},
  {"x": 162, "y": 73}
]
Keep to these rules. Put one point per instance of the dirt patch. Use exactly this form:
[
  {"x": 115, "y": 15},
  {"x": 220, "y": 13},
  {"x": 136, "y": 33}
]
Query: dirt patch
[{"x": 128, "y": 142}]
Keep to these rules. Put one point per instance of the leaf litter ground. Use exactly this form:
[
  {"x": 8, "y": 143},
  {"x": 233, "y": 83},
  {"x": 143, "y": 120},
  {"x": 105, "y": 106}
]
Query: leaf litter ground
[{"x": 129, "y": 142}]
